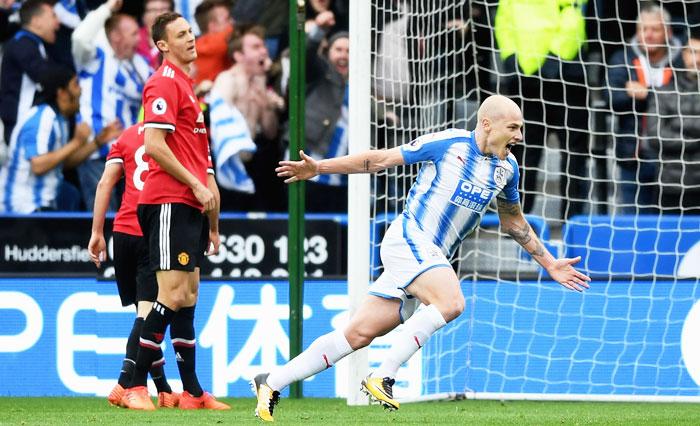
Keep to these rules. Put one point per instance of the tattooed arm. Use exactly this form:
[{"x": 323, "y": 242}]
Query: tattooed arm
[
  {"x": 365, "y": 162},
  {"x": 514, "y": 224}
]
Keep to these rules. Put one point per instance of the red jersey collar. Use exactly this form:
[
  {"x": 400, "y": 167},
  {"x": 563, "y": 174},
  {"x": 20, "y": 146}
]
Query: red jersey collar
[{"x": 177, "y": 69}]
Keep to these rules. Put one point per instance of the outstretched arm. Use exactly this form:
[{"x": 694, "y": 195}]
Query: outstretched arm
[
  {"x": 371, "y": 161},
  {"x": 514, "y": 224}
]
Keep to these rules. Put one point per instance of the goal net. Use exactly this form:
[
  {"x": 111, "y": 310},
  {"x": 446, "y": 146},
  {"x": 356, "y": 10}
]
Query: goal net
[{"x": 633, "y": 335}]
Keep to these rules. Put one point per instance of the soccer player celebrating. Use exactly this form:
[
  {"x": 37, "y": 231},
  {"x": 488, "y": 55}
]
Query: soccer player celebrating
[
  {"x": 177, "y": 211},
  {"x": 463, "y": 172},
  {"x": 135, "y": 281}
]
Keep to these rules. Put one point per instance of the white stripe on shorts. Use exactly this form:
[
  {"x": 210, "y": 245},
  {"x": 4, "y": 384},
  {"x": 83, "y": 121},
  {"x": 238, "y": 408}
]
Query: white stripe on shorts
[{"x": 164, "y": 241}]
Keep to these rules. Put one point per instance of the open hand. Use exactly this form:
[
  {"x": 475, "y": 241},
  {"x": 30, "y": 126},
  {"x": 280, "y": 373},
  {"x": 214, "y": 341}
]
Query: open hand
[
  {"x": 294, "y": 171},
  {"x": 565, "y": 274}
]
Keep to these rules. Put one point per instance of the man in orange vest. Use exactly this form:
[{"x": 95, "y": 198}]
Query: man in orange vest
[{"x": 633, "y": 72}]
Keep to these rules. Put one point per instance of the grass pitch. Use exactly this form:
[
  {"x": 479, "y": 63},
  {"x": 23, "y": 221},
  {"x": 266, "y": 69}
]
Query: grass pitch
[{"x": 95, "y": 411}]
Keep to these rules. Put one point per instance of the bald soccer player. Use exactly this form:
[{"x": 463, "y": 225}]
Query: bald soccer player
[{"x": 462, "y": 172}]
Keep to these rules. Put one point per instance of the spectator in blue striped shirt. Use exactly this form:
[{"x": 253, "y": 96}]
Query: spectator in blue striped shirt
[
  {"x": 39, "y": 147},
  {"x": 112, "y": 77}
]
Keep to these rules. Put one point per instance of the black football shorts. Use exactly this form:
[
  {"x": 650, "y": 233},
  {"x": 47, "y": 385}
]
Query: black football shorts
[
  {"x": 177, "y": 235},
  {"x": 136, "y": 281}
]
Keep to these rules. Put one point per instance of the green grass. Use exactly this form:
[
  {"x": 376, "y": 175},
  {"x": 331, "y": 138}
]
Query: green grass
[{"x": 88, "y": 411}]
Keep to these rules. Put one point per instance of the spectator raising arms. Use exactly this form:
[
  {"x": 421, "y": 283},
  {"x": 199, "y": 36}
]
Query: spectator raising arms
[{"x": 112, "y": 77}]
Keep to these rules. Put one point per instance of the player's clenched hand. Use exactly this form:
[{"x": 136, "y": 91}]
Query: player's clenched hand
[
  {"x": 206, "y": 197},
  {"x": 97, "y": 249},
  {"x": 214, "y": 242},
  {"x": 294, "y": 171},
  {"x": 565, "y": 274}
]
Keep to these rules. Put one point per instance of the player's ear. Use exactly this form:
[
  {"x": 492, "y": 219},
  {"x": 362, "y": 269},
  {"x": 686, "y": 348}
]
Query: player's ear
[
  {"x": 162, "y": 45},
  {"x": 486, "y": 124}
]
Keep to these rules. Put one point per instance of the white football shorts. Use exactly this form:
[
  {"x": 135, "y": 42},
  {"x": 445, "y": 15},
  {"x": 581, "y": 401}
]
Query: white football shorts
[{"x": 405, "y": 255}]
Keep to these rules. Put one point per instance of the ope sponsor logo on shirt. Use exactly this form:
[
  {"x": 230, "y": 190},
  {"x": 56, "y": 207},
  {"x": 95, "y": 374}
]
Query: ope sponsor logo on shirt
[{"x": 471, "y": 196}]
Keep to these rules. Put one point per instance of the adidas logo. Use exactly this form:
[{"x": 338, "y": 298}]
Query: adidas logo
[
  {"x": 178, "y": 357},
  {"x": 168, "y": 72}
]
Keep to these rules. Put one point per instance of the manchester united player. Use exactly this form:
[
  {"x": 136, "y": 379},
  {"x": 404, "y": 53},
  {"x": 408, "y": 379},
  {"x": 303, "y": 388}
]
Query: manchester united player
[
  {"x": 178, "y": 212},
  {"x": 135, "y": 281}
]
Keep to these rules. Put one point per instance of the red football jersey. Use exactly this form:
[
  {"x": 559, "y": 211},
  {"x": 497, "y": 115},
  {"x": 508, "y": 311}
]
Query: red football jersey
[
  {"x": 129, "y": 151},
  {"x": 170, "y": 104}
]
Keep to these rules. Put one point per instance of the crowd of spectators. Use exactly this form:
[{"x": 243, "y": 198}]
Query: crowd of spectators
[
  {"x": 240, "y": 76},
  {"x": 649, "y": 81}
]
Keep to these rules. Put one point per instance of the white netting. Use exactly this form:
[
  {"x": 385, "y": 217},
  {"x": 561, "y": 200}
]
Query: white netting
[{"x": 631, "y": 334}]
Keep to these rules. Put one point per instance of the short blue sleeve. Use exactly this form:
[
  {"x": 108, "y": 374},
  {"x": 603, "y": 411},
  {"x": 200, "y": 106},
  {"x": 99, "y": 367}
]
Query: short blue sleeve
[
  {"x": 510, "y": 191},
  {"x": 431, "y": 147},
  {"x": 36, "y": 134}
]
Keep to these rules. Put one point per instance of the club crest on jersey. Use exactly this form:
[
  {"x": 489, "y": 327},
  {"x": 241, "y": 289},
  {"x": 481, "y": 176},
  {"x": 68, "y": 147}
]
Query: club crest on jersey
[
  {"x": 159, "y": 106},
  {"x": 183, "y": 258},
  {"x": 499, "y": 176},
  {"x": 434, "y": 252}
]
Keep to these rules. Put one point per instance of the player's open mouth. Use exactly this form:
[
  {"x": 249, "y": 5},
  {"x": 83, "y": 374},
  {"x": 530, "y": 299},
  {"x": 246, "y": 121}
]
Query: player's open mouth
[{"x": 509, "y": 146}]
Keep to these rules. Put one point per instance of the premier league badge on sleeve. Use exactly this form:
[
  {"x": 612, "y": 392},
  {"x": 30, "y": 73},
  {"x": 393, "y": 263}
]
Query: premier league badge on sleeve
[{"x": 159, "y": 106}]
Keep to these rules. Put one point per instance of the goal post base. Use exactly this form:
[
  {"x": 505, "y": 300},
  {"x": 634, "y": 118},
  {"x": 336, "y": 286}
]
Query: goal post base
[{"x": 498, "y": 396}]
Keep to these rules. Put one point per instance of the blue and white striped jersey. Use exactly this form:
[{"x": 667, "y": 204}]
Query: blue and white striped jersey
[
  {"x": 111, "y": 88},
  {"x": 67, "y": 12},
  {"x": 40, "y": 132},
  {"x": 230, "y": 136},
  {"x": 454, "y": 186}
]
